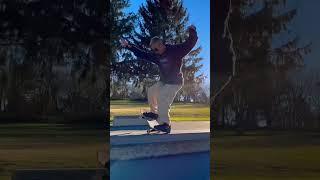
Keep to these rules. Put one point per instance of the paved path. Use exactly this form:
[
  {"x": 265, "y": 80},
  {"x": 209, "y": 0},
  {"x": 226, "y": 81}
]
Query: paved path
[{"x": 177, "y": 128}]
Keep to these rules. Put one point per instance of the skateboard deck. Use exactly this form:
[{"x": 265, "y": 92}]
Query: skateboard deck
[{"x": 151, "y": 124}]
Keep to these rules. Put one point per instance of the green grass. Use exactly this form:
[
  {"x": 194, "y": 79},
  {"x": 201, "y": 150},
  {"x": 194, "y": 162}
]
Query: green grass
[
  {"x": 179, "y": 111},
  {"x": 266, "y": 157},
  {"x": 48, "y": 146}
]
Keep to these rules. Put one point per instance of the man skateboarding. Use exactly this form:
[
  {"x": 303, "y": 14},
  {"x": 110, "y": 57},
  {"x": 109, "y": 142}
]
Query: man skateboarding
[{"x": 169, "y": 60}]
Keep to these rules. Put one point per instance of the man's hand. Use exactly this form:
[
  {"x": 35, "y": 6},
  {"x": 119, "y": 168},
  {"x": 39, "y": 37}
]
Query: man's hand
[
  {"x": 124, "y": 43},
  {"x": 192, "y": 27}
]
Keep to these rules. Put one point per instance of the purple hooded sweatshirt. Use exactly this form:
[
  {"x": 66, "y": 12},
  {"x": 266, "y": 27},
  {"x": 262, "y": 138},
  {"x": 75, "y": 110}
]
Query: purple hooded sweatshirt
[{"x": 170, "y": 62}]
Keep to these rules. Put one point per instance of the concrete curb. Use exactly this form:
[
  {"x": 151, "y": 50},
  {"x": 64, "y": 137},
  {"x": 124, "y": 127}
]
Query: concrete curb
[
  {"x": 159, "y": 149},
  {"x": 133, "y": 138}
]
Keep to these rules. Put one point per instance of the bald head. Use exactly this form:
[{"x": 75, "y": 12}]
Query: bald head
[{"x": 157, "y": 45}]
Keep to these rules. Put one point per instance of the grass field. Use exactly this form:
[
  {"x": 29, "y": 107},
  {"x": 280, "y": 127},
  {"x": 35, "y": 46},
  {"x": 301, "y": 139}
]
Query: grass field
[
  {"x": 179, "y": 111},
  {"x": 260, "y": 156},
  {"x": 252, "y": 156},
  {"x": 48, "y": 146}
]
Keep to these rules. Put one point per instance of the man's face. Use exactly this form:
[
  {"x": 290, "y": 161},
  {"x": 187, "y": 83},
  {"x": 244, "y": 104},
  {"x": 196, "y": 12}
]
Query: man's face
[{"x": 158, "y": 47}]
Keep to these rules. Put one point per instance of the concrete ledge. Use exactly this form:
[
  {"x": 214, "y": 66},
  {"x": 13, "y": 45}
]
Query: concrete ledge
[
  {"x": 122, "y": 138},
  {"x": 135, "y": 143},
  {"x": 61, "y": 174},
  {"x": 153, "y": 150},
  {"x": 129, "y": 121},
  {"x": 182, "y": 154}
]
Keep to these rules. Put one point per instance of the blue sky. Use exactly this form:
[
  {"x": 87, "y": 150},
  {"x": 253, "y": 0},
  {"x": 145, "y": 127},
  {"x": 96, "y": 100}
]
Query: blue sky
[
  {"x": 305, "y": 27},
  {"x": 199, "y": 15}
]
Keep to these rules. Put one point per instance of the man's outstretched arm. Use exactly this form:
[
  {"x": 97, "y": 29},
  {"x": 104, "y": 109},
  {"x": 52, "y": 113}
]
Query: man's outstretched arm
[
  {"x": 148, "y": 56},
  {"x": 185, "y": 47}
]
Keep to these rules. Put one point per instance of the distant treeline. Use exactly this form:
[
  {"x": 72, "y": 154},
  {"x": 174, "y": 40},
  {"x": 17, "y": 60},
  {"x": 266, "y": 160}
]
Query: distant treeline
[{"x": 53, "y": 60}]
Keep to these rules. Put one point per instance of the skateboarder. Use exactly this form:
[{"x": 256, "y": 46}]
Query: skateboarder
[{"x": 169, "y": 60}]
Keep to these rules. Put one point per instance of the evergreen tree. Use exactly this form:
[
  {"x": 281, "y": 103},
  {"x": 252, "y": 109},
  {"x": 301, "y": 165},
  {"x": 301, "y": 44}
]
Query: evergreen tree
[
  {"x": 122, "y": 25},
  {"x": 260, "y": 65},
  {"x": 168, "y": 22},
  {"x": 42, "y": 35}
]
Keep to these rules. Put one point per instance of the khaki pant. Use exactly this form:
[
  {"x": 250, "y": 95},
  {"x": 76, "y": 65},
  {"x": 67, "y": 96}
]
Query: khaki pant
[{"x": 160, "y": 98}]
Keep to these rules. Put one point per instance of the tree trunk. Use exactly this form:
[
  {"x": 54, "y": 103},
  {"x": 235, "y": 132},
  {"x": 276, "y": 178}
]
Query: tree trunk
[{"x": 12, "y": 90}]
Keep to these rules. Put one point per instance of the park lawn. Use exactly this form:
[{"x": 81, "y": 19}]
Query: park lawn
[
  {"x": 266, "y": 157},
  {"x": 179, "y": 111},
  {"x": 258, "y": 155},
  {"x": 48, "y": 146}
]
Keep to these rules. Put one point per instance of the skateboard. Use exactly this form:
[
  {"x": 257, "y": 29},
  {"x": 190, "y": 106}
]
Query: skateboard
[
  {"x": 151, "y": 124},
  {"x": 151, "y": 128}
]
